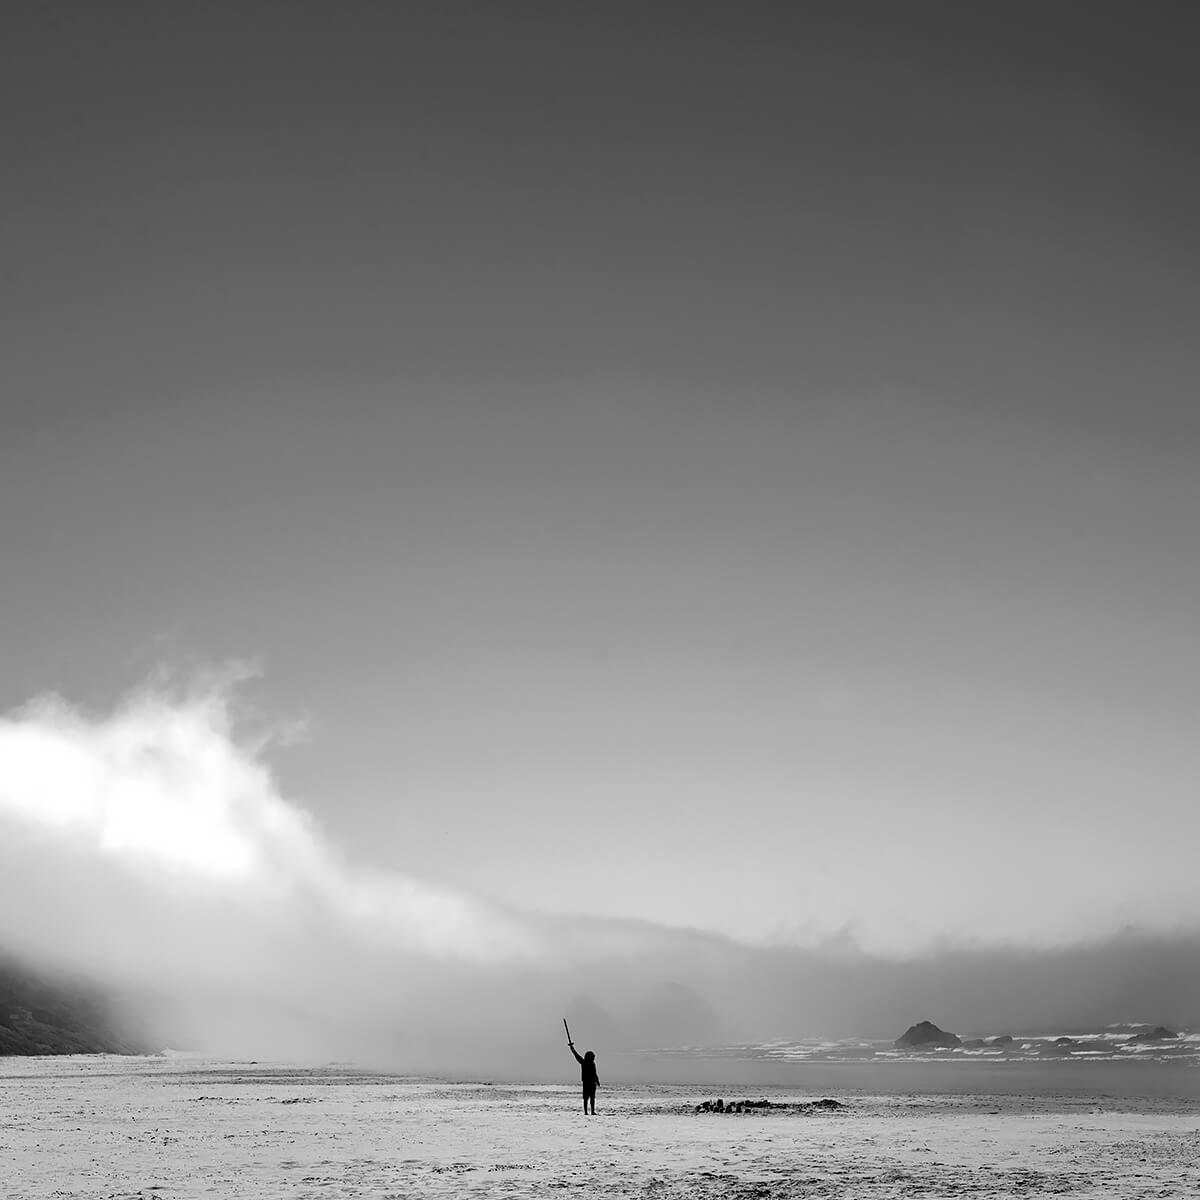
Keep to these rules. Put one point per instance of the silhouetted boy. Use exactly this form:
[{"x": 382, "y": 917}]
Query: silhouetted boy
[{"x": 587, "y": 1070}]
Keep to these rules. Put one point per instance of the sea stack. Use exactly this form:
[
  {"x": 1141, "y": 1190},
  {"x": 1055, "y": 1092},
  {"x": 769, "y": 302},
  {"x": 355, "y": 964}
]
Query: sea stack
[
  {"x": 923, "y": 1034},
  {"x": 1160, "y": 1033}
]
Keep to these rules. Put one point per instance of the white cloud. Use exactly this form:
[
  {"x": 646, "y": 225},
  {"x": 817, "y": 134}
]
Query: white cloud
[{"x": 162, "y": 790}]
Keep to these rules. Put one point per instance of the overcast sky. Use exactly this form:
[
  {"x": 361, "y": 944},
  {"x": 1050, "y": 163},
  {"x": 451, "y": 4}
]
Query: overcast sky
[{"x": 731, "y": 465}]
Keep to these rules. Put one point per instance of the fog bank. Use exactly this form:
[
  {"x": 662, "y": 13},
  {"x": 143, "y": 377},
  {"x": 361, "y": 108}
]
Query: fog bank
[{"x": 150, "y": 848}]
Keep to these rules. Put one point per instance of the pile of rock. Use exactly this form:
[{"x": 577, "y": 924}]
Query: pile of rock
[{"x": 750, "y": 1106}]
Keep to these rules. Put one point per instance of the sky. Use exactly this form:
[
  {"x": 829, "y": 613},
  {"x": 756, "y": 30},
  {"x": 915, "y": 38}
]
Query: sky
[{"x": 731, "y": 468}]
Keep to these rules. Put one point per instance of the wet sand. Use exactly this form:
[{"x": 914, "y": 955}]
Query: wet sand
[{"x": 159, "y": 1127}]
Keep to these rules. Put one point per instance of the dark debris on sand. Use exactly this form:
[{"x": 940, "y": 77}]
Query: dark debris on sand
[{"x": 758, "y": 1106}]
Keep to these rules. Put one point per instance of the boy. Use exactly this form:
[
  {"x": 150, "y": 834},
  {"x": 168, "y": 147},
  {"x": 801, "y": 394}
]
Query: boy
[{"x": 587, "y": 1066}]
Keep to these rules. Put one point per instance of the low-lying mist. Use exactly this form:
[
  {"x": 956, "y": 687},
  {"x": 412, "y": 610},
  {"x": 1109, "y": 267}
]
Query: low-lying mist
[{"x": 150, "y": 850}]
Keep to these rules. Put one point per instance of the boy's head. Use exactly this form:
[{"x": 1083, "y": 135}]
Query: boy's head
[{"x": 589, "y": 1056}]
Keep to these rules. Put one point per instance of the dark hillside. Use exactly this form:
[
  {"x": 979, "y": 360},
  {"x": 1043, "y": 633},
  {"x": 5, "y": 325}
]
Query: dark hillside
[{"x": 44, "y": 1014}]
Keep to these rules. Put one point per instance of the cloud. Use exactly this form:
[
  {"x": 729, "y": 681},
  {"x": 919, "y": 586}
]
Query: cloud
[
  {"x": 151, "y": 847},
  {"x": 162, "y": 790}
]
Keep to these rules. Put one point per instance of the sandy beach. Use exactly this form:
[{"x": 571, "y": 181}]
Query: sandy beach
[{"x": 107, "y": 1127}]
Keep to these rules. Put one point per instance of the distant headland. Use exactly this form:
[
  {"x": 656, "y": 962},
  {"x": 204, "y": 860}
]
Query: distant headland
[{"x": 44, "y": 1015}]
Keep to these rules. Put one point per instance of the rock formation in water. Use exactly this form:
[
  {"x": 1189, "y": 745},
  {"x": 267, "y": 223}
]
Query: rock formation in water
[
  {"x": 1160, "y": 1033},
  {"x": 673, "y": 1014},
  {"x": 593, "y": 1024},
  {"x": 923, "y": 1035}
]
